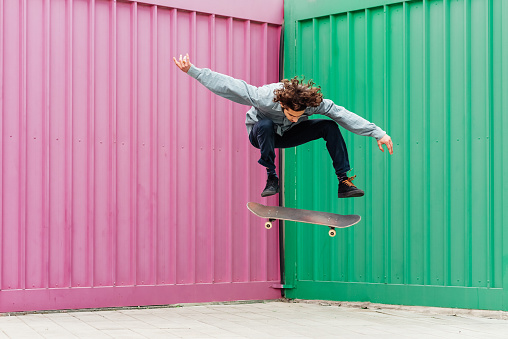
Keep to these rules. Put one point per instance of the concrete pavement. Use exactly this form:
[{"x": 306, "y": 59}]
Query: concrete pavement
[{"x": 268, "y": 319}]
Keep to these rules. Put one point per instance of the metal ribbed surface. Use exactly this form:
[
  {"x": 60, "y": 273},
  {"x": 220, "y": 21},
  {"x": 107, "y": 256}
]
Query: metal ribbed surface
[
  {"x": 434, "y": 75},
  {"x": 118, "y": 170}
]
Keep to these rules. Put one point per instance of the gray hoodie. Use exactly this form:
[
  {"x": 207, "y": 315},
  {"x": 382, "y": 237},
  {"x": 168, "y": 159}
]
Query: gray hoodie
[{"x": 263, "y": 107}]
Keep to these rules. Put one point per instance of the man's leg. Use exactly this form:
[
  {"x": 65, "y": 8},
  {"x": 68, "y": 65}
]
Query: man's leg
[
  {"x": 314, "y": 129},
  {"x": 263, "y": 137}
]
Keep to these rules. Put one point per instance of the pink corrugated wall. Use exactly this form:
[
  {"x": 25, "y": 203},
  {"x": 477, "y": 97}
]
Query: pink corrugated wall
[{"x": 123, "y": 180}]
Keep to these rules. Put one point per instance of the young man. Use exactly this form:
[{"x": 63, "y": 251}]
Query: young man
[{"x": 279, "y": 118}]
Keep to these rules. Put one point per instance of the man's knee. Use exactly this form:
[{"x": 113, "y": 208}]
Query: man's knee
[
  {"x": 265, "y": 126},
  {"x": 330, "y": 125}
]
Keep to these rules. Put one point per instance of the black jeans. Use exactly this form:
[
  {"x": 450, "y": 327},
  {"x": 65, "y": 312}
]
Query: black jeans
[{"x": 264, "y": 137}]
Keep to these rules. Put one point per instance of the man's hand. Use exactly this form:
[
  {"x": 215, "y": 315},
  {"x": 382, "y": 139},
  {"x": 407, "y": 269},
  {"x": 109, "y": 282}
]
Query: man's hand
[
  {"x": 184, "y": 64},
  {"x": 386, "y": 140}
]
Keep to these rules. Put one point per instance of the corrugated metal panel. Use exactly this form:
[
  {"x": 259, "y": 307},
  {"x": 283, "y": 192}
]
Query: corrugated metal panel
[
  {"x": 120, "y": 171},
  {"x": 434, "y": 75}
]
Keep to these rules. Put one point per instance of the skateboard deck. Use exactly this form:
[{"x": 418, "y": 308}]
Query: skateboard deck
[{"x": 331, "y": 220}]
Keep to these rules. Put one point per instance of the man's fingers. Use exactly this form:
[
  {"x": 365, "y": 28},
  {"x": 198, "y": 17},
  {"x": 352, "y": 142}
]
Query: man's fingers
[
  {"x": 380, "y": 145},
  {"x": 177, "y": 63},
  {"x": 183, "y": 62},
  {"x": 389, "y": 145}
]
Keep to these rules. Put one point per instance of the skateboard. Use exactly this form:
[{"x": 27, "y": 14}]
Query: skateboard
[{"x": 331, "y": 220}]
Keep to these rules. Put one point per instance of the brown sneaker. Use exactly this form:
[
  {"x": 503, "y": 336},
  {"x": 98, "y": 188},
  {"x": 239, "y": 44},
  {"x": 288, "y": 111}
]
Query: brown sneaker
[
  {"x": 348, "y": 190},
  {"x": 272, "y": 186}
]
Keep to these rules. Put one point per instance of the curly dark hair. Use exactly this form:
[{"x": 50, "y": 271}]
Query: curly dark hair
[{"x": 297, "y": 95}]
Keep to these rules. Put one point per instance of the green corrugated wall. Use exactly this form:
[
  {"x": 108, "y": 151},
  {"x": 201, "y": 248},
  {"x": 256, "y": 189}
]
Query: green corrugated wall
[{"x": 434, "y": 229}]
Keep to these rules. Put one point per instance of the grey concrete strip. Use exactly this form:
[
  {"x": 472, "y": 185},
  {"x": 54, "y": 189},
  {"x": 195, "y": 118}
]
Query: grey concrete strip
[{"x": 270, "y": 319}]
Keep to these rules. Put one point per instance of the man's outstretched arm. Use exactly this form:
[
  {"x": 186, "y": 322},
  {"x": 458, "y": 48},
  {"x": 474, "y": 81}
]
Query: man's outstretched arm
[
  {"x": 354, "y": 123},
  {"x": 227, "y": 87}
]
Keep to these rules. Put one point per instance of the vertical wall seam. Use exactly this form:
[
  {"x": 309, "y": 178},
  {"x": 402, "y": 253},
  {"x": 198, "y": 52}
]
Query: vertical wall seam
[
  {"x": 387, "y": 249},
  {"x": 91, "y": 148},
  {"x": 173, "y": 151},
  {"x": 406, "y": 141},
  {"x": 247, "y": 59},
  {"x": 350, "y": 203},
  {"x": 327, "y": 264},
  {"x": 281, "y": 202},
  {"x": 467, "y": 155},
  {"x": 154, "y": 149},
  {"x": 193, "y": 156},
  {"x": 314, "y": 155},
  {"x": 348, "y": 138},
  {"x": 294, "y": 203},
  {"x": 134, "y": 146},
  {"x": 212, "y": 142},
  {"x": 295, "y": 69},
  {"x": 426, "y": 141},
  {"x": 349, "y": 269},
  {"x": 447, "y": 140},
  {"x": 45, "y": 143},
  {"x": 68, "y": 149},
  {"x": 504, "y": 158},
  {"x": 265, "y": 81},
  {"x": 334, "y": 255},
  {"x": 368, "y": 147},
  {"x": 334, "y": 251},
  {"x": 22, "y": 147},
  {"x": 229, "y": 58},
  {"x": 491, "y": 153},
  {"x": 114, "y": 151},
  {"x": 387, "y": 164}
]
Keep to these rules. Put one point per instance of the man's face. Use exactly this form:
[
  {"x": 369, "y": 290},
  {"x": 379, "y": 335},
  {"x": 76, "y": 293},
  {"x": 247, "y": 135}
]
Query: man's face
[{"x": 291, "y": 115}]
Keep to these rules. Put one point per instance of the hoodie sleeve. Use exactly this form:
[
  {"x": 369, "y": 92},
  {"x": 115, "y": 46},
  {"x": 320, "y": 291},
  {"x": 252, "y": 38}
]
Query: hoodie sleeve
[
  {"x": 233, "y": 89},
  {"x": 349, "y": 120}
]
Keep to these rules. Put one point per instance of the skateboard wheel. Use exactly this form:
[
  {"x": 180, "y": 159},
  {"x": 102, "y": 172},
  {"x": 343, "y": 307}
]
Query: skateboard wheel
[
  {"x": 268, "y": 225},
  {"x": 332, "y": 233}
]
